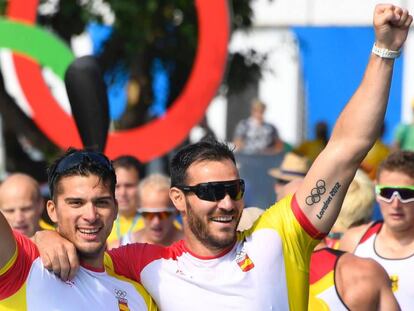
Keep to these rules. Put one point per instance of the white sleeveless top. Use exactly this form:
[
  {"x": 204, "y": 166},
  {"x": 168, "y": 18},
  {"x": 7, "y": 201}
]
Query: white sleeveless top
[{"x": 400, "y": 271}]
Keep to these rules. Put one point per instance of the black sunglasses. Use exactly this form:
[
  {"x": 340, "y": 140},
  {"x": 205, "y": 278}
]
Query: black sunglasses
[
  {"x": 217, "y": 190},
  {"x": 75, "y": 159}
]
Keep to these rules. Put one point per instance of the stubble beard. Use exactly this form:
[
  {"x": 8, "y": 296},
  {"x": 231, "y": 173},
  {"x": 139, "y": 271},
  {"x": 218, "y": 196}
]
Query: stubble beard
[{"x": 200, "y": 230}]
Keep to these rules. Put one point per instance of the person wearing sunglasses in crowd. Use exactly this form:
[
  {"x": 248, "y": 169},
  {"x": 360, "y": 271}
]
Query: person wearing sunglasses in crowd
[
  {"x": 83, "y": 206},
  {"x": 158, "y": 213},
  {"x": 391, "y": 241},
  {"x": 266, "y": 267}
]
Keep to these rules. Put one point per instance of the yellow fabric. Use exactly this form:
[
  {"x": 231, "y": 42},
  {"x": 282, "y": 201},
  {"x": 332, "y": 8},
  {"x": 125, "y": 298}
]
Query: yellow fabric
[
  {"x": 18, "y": 300},
  {"x": 109, "y": 267},
  {"x": 310, "y": 148},
  {"x": 9, "y": 263},
  {"x": 15, "y": 302},
  {"x": 297, "y": 249},
  {"x": 125, "y": 225},
  {"x": 375, "y": 156},
  {"x": 45, "y": 226},
  {"x": 316, "y": 304}
]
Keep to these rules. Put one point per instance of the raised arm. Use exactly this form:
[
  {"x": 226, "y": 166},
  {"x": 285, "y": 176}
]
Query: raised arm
[
  {"x": 322, "y": 192},
  {"x": 7, "y": 242}
]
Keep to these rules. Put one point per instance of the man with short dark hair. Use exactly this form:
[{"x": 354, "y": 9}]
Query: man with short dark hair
[
  {"x": 217, "y": 268},
  {"x": 129, "y": 171},
  {"x": 82, "y": 188}
]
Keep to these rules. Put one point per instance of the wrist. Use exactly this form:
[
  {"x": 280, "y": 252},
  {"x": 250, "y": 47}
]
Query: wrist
[{"x": 384, "y": 52}]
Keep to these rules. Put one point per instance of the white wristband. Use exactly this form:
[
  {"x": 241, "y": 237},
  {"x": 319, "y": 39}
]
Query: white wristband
[{"x": 385, "y": 53}]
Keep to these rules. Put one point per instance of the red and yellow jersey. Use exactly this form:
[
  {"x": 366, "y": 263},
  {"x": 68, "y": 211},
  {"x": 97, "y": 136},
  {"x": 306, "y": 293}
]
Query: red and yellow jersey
[
  {"x": 26, "y": 285},
  {"x": 323, "y": 295},
  {"x": 266, "y": 269}
]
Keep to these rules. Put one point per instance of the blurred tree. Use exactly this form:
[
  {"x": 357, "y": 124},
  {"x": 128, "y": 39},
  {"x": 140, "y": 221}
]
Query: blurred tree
[{"x": 143, "y": 33}]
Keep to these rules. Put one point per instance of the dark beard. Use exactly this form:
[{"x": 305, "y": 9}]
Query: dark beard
[{"x": 200, "y": 231}]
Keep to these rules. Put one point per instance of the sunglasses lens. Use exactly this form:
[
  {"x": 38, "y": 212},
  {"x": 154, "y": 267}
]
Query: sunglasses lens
[
  {"x": 161, "y": 215},
  {"x": 216, "y": 191},
  {"x": 406, "y": 195},
  {"x": 235, "y": 190}
]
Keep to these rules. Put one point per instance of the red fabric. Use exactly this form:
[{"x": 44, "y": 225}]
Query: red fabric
[
  {"x": 304, "y": 221},
  {"x": 15, "y": 277},
  {"x": 323, "y": 261},
  {"x": 130, "y": 260},
  {"x": 375, "y": 227}
]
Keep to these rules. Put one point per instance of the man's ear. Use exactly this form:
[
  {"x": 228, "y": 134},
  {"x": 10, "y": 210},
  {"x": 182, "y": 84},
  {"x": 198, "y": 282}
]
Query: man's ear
[
  {"x": 178, "y": 199},
  {"x": 51, "y": 210}
]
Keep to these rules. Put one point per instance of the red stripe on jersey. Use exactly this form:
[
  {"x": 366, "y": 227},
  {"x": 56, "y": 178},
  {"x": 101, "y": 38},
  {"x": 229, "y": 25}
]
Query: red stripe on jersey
[
  {"x": 131, "y": 259},
  {"x": 323, "y": 261},
  {"x": 375, "y": 228},
  {"x": 15, "y": 277},
  {"x": 304, "y": 221}
]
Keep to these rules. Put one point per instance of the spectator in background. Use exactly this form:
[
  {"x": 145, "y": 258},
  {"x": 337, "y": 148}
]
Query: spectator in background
[
  {"x": 158, "y": 214},
  {"x": 292, "y": 167},
  {"x": 21, "y": 203},
  {"x": 255, "y": 136},
  {"x": 128, "y": 172},
  {"x": 312, "y": 148},
  {"x": 375, "y": 156},
  {"x": 358, "y": 202},
  {"x": 404, "y": 135},
  {"x": 391, "y": 241}
]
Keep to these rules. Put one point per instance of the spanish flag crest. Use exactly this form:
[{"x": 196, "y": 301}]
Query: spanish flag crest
[{"x": 244, "y": 261}]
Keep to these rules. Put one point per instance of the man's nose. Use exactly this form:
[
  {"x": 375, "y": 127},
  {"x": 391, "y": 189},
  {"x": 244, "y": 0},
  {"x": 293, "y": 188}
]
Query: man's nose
[
  {"x": 91, "y": 213},
  {"x": 226, "y": 203}
]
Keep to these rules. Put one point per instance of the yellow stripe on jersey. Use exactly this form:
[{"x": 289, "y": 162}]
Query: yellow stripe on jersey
[
  {"x": 323, "y": 284},
  {"x": 17, "y": 301},
  {"x": 9, "y": 263},
  {"x": 109, "y": 267},
  {"x": 297, "y": 249}
]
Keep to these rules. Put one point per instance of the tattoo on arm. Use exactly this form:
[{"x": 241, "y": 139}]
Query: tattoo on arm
[
  {"x": 326, "y": 203},
  {"x": 315, "y": 195}
]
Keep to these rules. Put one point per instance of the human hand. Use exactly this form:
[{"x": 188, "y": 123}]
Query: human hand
[
  {"x": 391, "y": 24},
  {"x": 57, "y": 254}
]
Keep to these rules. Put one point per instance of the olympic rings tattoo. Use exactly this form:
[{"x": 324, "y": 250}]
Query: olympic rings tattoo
[{"x": 315, "y": 195}]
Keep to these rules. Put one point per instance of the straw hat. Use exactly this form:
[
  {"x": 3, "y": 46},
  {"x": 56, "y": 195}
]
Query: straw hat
[{"x": 292, "y": 167}]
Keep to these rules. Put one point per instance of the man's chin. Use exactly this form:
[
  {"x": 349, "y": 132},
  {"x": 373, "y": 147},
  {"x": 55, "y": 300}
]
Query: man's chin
[{"x": 90, "y": 252}]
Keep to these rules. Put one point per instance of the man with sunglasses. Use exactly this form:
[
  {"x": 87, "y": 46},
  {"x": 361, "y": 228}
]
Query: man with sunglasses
[
  {"x": 265, "y": 267},
  {"x": 83, "y": 206},
  {"x": 391, "y": 242}
]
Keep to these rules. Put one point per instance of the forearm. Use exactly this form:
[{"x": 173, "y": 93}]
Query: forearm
[
  {"x": 360, "y": 122},
  {"x": 7, "y": 241}
]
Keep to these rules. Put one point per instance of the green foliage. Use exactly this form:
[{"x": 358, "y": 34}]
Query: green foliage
[{"x": 151, "y": 29}]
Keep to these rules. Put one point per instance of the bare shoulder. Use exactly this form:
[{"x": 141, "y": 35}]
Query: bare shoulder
[
  {"x": 351, "y": 238},
  {"x": 360, "y": 281},
  {"x": 358, "y": 269}
]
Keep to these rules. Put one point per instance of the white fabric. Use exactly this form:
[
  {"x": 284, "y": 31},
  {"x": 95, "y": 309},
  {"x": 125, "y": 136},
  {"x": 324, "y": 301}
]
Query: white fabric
[{"x": 403, "y": 269}]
